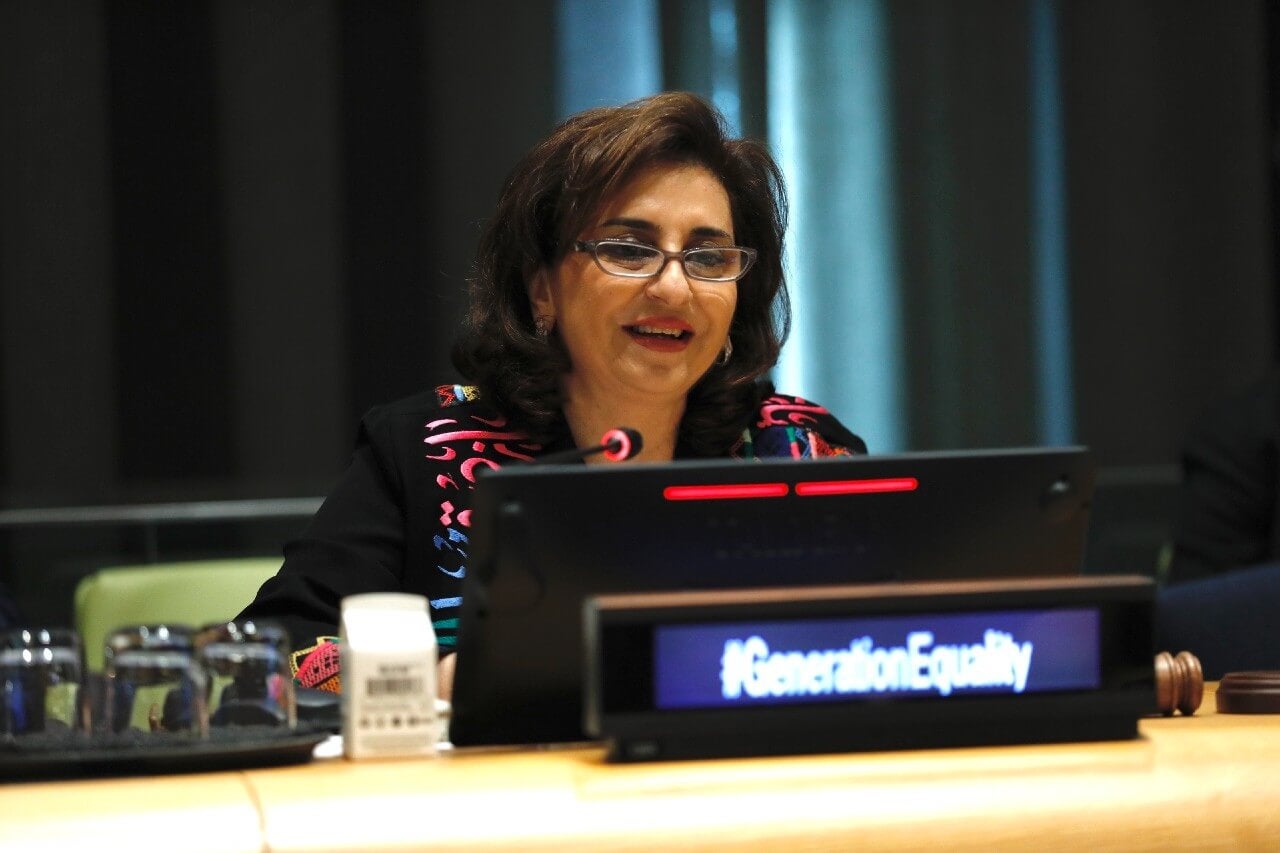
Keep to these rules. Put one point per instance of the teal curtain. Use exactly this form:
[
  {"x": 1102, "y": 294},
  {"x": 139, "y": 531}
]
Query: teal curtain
[
  {"x": 830, "y": 113},
  {"x": 1054, "y": 393},
  {"x": 922, "y": 144},
  {"x": 608, "y": 53}
]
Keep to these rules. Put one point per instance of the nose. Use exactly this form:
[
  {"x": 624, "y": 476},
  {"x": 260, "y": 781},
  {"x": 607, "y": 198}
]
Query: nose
[{"x": 670, "y": 286}]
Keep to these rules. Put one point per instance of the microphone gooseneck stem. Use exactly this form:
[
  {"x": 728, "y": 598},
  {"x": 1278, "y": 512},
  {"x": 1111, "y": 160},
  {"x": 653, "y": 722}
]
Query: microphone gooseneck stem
[{"x": 617, "y": 445}]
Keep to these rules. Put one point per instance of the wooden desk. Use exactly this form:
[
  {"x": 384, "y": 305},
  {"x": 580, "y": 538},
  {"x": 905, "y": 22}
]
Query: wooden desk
[
  {"x": 1204, "y": 782},
  {"x": 206, "y": 812},
  {"x": 1201, "y": 782}
]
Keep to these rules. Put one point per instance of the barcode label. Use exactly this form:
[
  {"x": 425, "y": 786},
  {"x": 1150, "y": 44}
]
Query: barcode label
[{"x": 393, "y": 686}]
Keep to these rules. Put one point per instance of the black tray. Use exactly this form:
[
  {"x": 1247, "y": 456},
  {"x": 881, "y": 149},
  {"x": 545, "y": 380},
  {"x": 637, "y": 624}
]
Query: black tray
[{"x": 134, "y": 753}]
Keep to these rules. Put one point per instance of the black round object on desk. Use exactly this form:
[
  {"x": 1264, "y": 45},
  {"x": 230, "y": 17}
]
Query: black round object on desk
[{"x": 1255, "y": 692}]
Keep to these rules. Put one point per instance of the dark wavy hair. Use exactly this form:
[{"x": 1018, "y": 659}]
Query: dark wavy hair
[{"x": 548, "y": 200}]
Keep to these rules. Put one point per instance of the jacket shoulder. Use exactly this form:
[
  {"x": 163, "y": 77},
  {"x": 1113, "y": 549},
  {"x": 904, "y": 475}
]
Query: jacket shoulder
[
  {"x": 790, "y": 426},
  {"x": 448, "y": 401}
]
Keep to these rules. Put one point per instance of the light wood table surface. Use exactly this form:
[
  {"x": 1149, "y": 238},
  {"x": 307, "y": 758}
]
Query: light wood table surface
[
  {"x": 203, "y": 812},
  {"x": 1205, "y": 782}
]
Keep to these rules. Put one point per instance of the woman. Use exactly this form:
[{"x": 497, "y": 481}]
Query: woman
[{"x": 631, "y": 275}]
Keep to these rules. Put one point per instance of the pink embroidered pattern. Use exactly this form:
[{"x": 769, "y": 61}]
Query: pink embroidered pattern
[
  {"x": 472, "y": 444},
  {"x": 788, "y": 411}
]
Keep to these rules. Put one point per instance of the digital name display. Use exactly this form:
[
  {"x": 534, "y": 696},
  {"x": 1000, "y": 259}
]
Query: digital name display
[{"x": 718, "y": 665}]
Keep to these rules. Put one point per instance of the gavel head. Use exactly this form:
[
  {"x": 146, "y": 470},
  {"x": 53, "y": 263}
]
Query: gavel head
[{"x": 1179, "y": 683}]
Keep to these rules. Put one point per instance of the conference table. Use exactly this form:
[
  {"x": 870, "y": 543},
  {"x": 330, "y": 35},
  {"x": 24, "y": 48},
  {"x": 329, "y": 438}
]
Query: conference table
[{"x": 1208, "y": 781}]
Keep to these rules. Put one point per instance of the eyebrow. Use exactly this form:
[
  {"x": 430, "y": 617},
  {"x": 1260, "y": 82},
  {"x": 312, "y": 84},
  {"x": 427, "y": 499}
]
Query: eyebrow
[{"x": 645, "y": 225}]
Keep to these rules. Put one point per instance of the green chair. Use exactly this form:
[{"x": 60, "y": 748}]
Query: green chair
[{"x": 191, "y": 593}]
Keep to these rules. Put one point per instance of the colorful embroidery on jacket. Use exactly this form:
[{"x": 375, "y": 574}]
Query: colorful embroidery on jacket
[
  {"x": 317, "y": 666},
  {"x": 461, "y": 447},
  {"x": 785, "y": 429},
  {"x": 454, "y": 395}
]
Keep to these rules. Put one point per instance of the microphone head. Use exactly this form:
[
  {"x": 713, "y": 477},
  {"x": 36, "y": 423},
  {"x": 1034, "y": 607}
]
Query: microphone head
[{"x": 621, "y": 444}]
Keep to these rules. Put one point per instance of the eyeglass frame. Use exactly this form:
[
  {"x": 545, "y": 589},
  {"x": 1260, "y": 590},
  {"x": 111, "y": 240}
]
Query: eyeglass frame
[{"x": 590, "y": 247}]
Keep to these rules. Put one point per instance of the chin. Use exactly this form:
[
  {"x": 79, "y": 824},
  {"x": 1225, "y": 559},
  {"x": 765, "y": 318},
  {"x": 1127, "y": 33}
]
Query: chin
[{"x": 665, "y": 384}]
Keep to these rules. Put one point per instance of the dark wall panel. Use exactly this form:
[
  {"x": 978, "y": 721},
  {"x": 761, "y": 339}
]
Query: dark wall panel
[
  {"x": 961, "y": 104},
  {"x": 171, "y": 304},
  {"x": 57, "y": 371},
  {"x": 1171, "y": 237},
  {"x": 1272, "y": 76},
  {"x": 278, "y": 114},
  {"x": 438, "y": 103},
  {"x": 384, "y": 133},
  {"x": 490, "y": 98}
]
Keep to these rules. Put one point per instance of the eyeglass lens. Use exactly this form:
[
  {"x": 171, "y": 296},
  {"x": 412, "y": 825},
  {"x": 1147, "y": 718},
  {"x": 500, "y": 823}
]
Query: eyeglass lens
[{"x": 710, "y": 264}]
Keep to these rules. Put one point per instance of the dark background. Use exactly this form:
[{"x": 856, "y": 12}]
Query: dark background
[{"x": 228, "y": 228}]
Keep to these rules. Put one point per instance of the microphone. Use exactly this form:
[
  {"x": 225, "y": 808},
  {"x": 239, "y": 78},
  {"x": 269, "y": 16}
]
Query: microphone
[{"x": 617, "y": 445}]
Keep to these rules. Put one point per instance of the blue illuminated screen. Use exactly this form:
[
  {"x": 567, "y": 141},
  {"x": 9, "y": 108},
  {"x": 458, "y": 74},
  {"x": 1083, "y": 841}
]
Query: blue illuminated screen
[{"x": 926, "y": 655}]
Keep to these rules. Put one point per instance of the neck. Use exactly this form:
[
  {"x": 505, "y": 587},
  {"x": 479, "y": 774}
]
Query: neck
[{"x": 657, "y": 423}]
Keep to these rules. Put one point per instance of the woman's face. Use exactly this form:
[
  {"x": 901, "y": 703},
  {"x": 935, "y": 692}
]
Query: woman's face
[{"x": 650, "y": 337}]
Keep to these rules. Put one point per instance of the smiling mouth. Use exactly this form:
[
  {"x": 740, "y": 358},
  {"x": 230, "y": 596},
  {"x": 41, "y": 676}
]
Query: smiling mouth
[{"x": 659, "y": 333}]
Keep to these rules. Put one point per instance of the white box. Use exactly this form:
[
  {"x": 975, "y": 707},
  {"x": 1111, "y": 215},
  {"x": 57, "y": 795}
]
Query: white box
[{"x": 388, "y": 656}]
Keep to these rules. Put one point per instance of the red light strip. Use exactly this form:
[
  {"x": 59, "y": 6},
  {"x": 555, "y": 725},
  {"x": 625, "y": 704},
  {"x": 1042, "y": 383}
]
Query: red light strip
[
  {"x": 725, "y": 492},
  {"x": 857, "y": 487}
]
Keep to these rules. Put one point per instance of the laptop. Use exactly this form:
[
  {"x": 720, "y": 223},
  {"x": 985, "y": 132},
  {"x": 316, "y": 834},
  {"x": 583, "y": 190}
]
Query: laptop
[{"x": 547, "y": 537}]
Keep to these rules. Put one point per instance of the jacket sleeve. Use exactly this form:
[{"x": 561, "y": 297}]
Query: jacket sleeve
[{"x": 354, "y": 544}]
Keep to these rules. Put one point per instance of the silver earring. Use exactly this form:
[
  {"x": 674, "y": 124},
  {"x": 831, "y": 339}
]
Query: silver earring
[
  {"x": 542, "y": 326},
  {"x": 726, "y": 352}
]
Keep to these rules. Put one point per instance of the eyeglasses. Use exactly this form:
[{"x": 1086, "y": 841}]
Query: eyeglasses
[{"x": 636, "y": 260}]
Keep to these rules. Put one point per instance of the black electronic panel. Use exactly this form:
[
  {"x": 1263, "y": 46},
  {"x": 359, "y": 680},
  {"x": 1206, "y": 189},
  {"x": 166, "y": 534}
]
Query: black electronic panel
[
  {"x": 751, "y": 672},
  {"x": 544, "y": 538}
]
